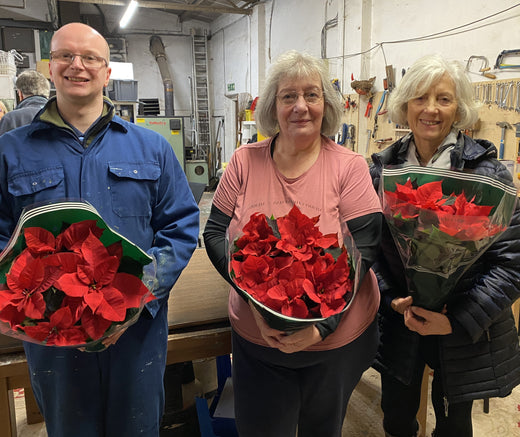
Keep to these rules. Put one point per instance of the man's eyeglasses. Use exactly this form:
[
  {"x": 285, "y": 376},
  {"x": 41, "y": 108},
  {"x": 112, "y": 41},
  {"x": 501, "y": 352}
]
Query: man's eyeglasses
[
  {"x": 288, "y": 98},
  {"x": 88, "y": 61}
]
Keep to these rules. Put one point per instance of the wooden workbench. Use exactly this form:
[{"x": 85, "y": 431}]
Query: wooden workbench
[{"x": 198, "y": 328}]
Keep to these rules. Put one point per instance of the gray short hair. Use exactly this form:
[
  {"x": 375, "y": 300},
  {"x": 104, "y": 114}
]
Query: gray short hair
[
  {"x": 33, "y": 83},
  {"x": 420, "y": 77},
  {"x": 293, "y": 65}
]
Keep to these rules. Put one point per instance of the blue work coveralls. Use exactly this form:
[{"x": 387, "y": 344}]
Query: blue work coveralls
[{"x": 131, "y": 176}]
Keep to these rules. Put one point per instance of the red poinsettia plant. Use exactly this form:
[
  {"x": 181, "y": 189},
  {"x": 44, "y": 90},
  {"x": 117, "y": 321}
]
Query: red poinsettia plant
[
  {"x": 454, "y": 214},
  {"x": 288, "y": 267},
  {"x": 69, "y": 289},
  {"x": 442, "y": 221}
]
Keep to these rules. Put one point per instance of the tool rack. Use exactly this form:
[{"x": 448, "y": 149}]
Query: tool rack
[{"x": 500, "y": 102}]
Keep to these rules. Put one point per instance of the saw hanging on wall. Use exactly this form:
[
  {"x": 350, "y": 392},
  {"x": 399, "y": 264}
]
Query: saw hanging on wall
[{"x": 500, "y": 62}]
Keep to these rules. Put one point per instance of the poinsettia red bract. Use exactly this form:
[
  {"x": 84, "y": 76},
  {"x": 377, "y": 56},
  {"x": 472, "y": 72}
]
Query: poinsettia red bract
[
  {"x": 286, "y": 264},
  {"x": 67, "y": 290}
]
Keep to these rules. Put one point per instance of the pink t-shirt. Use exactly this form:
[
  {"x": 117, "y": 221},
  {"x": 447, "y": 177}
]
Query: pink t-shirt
[{"x": 337, "y": 187}]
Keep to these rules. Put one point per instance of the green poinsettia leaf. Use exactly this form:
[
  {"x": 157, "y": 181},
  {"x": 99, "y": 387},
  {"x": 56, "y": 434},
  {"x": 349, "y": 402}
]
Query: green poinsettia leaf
[
  {"x": 334, "y": 251},
  {"x": 271, "y": 221}
]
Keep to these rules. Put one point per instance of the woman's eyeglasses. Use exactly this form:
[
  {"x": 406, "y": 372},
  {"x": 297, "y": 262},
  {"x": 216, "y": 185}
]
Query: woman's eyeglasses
[
  {"x": 289, "y": 98},
  {"x": 88, "y": 61}
]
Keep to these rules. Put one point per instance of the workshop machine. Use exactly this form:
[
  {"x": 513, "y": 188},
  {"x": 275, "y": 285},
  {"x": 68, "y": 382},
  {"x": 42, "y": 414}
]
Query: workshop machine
[{"x": 171, "y": 128}]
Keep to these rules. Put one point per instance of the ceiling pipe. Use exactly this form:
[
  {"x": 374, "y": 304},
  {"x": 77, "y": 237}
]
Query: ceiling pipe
[{"x": 157, "y": 49}]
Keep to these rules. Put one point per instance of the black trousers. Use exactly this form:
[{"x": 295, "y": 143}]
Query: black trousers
[
  {"x": 400, "y": 402},
  {"x": 278, "y": 393}
]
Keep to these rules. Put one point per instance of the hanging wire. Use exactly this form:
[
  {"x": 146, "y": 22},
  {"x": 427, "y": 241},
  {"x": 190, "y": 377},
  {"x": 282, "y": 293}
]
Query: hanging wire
[
  {"x": 437, "y": 35},
  {"x": 333, "y": 22}
]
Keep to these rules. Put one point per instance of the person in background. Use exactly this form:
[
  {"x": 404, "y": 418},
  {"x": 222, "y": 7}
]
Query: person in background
[
  {"x": 33, "y": 91},
  {"x": 301, "y": 382},
  {"x": 76, "y": 147},
  {"x": 3, "y": 110},
  {"x": 472, "y": 346}
]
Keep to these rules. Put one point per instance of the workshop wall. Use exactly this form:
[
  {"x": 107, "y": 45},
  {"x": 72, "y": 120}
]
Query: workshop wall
[
  {"x": 364, "y": 38},
  {"x": 358, "y": 38}
]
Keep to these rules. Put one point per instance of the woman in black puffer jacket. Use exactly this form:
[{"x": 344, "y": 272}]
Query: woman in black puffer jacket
[{"x": 472, "y": 346}]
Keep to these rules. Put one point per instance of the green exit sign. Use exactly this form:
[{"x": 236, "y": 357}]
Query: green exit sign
[{"x": 231, "y": 87}]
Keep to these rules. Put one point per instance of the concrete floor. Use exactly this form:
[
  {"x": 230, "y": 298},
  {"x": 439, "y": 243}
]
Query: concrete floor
[{"x": 364, "y": 417}]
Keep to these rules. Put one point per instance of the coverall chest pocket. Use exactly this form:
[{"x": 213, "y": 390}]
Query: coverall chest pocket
[
  {"x": 37, "y": 186},
  {"x": 133, "y": 187}
]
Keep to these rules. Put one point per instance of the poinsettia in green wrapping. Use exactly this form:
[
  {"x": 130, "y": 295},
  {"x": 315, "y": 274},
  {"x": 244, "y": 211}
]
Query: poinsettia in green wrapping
[
  {"x": 442, "y": 221},
  {"x": 73, "y": 287},
  {"x": 294, "y": 275}
]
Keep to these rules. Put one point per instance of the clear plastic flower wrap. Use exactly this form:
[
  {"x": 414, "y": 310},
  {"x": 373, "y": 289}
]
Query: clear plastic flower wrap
[
  {"x": 442, "y": 221},
  {"x": 293, "y": 274},
  {"x": 67, "y": 279}
]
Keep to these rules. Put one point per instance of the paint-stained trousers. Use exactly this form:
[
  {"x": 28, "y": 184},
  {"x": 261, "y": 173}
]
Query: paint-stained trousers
[
  {"x": 276, "y": 393},
  {"x": 114, "y": 393}
]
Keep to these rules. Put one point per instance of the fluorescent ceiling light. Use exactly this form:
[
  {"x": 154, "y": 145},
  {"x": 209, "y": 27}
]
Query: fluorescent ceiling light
[{"x": 132, "y": 6}]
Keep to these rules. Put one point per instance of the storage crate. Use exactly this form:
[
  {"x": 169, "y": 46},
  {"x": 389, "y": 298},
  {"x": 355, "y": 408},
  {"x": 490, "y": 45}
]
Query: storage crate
[
  {"x": 7, "y": 87},
  {"x": 7, "y": 63},
  {"x": 123, "y": 91}
]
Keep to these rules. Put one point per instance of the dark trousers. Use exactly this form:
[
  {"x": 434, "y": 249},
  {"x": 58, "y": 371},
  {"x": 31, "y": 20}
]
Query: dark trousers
[
  {"x": 114, "y": 393},
  {"x": 400, "y": 402},
  {"x": 277, "y": 393}
]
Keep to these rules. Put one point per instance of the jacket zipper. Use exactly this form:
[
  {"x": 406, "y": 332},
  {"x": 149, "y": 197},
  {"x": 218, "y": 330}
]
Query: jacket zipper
[{"x": 444, "y": 397}]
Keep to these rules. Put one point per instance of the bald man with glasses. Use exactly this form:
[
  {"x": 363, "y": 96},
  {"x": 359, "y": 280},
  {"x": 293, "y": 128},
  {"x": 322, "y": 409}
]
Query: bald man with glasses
[{"x": 76, "y": 147}]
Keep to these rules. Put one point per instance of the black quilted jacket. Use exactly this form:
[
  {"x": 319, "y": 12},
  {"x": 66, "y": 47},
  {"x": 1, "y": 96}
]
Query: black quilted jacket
[{"x": 481, "y": 357}]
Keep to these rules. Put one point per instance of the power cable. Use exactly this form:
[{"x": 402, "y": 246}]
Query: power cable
[{"x": 442, "y": 34}]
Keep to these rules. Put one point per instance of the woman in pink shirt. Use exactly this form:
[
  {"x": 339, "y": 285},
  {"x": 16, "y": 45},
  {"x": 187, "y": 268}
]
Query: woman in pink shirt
[{"x": 298, "y": 383}]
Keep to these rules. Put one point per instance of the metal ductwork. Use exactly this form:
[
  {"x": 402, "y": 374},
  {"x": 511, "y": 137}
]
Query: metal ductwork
[{"x": 157, "y": 49}]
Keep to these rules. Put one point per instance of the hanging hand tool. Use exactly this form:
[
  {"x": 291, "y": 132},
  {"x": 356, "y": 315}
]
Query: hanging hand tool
[
  {"x": 517, "y": 135},
  {"x": 483, "y": 66},
  {"x": 351, "y": 136},
  {"x": 379, "y": 107},
  {"x": 517, "y": 107},
  {"x": 343, "y": 135},
  {"x": 369, "y": 107},
  {"x": 390, "y": 78},
  {"x": 335, "y": 85},
  {"x": 504, "y": 53},
  {"x": 350, "y": 103},
  {"x": 504, "y": 104},
  {"x": 381, "y": 142},
  {"x": 504, "y": 125},
  {"x": 369, "y": 134},
  {"x": 347, "y": 135}
]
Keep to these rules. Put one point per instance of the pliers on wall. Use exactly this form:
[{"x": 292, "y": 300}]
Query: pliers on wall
[{"x": 369, "y": 107}]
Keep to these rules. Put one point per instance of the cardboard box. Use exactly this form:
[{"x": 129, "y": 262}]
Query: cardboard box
[
  {"x": 7, "y": 87},
  {"x": 43, "y": 68}
]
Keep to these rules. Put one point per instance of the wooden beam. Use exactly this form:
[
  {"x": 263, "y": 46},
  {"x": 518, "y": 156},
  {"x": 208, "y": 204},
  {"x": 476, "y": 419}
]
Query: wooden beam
[{"x": 171, "y": 6}]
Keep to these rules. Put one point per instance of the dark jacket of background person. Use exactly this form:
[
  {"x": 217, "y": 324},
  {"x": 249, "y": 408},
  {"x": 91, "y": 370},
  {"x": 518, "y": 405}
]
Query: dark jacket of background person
[
  {"x": 23, "y": 114},
  {"x": 33, "y": 90},
  {"x": 481, "y": 358}
]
